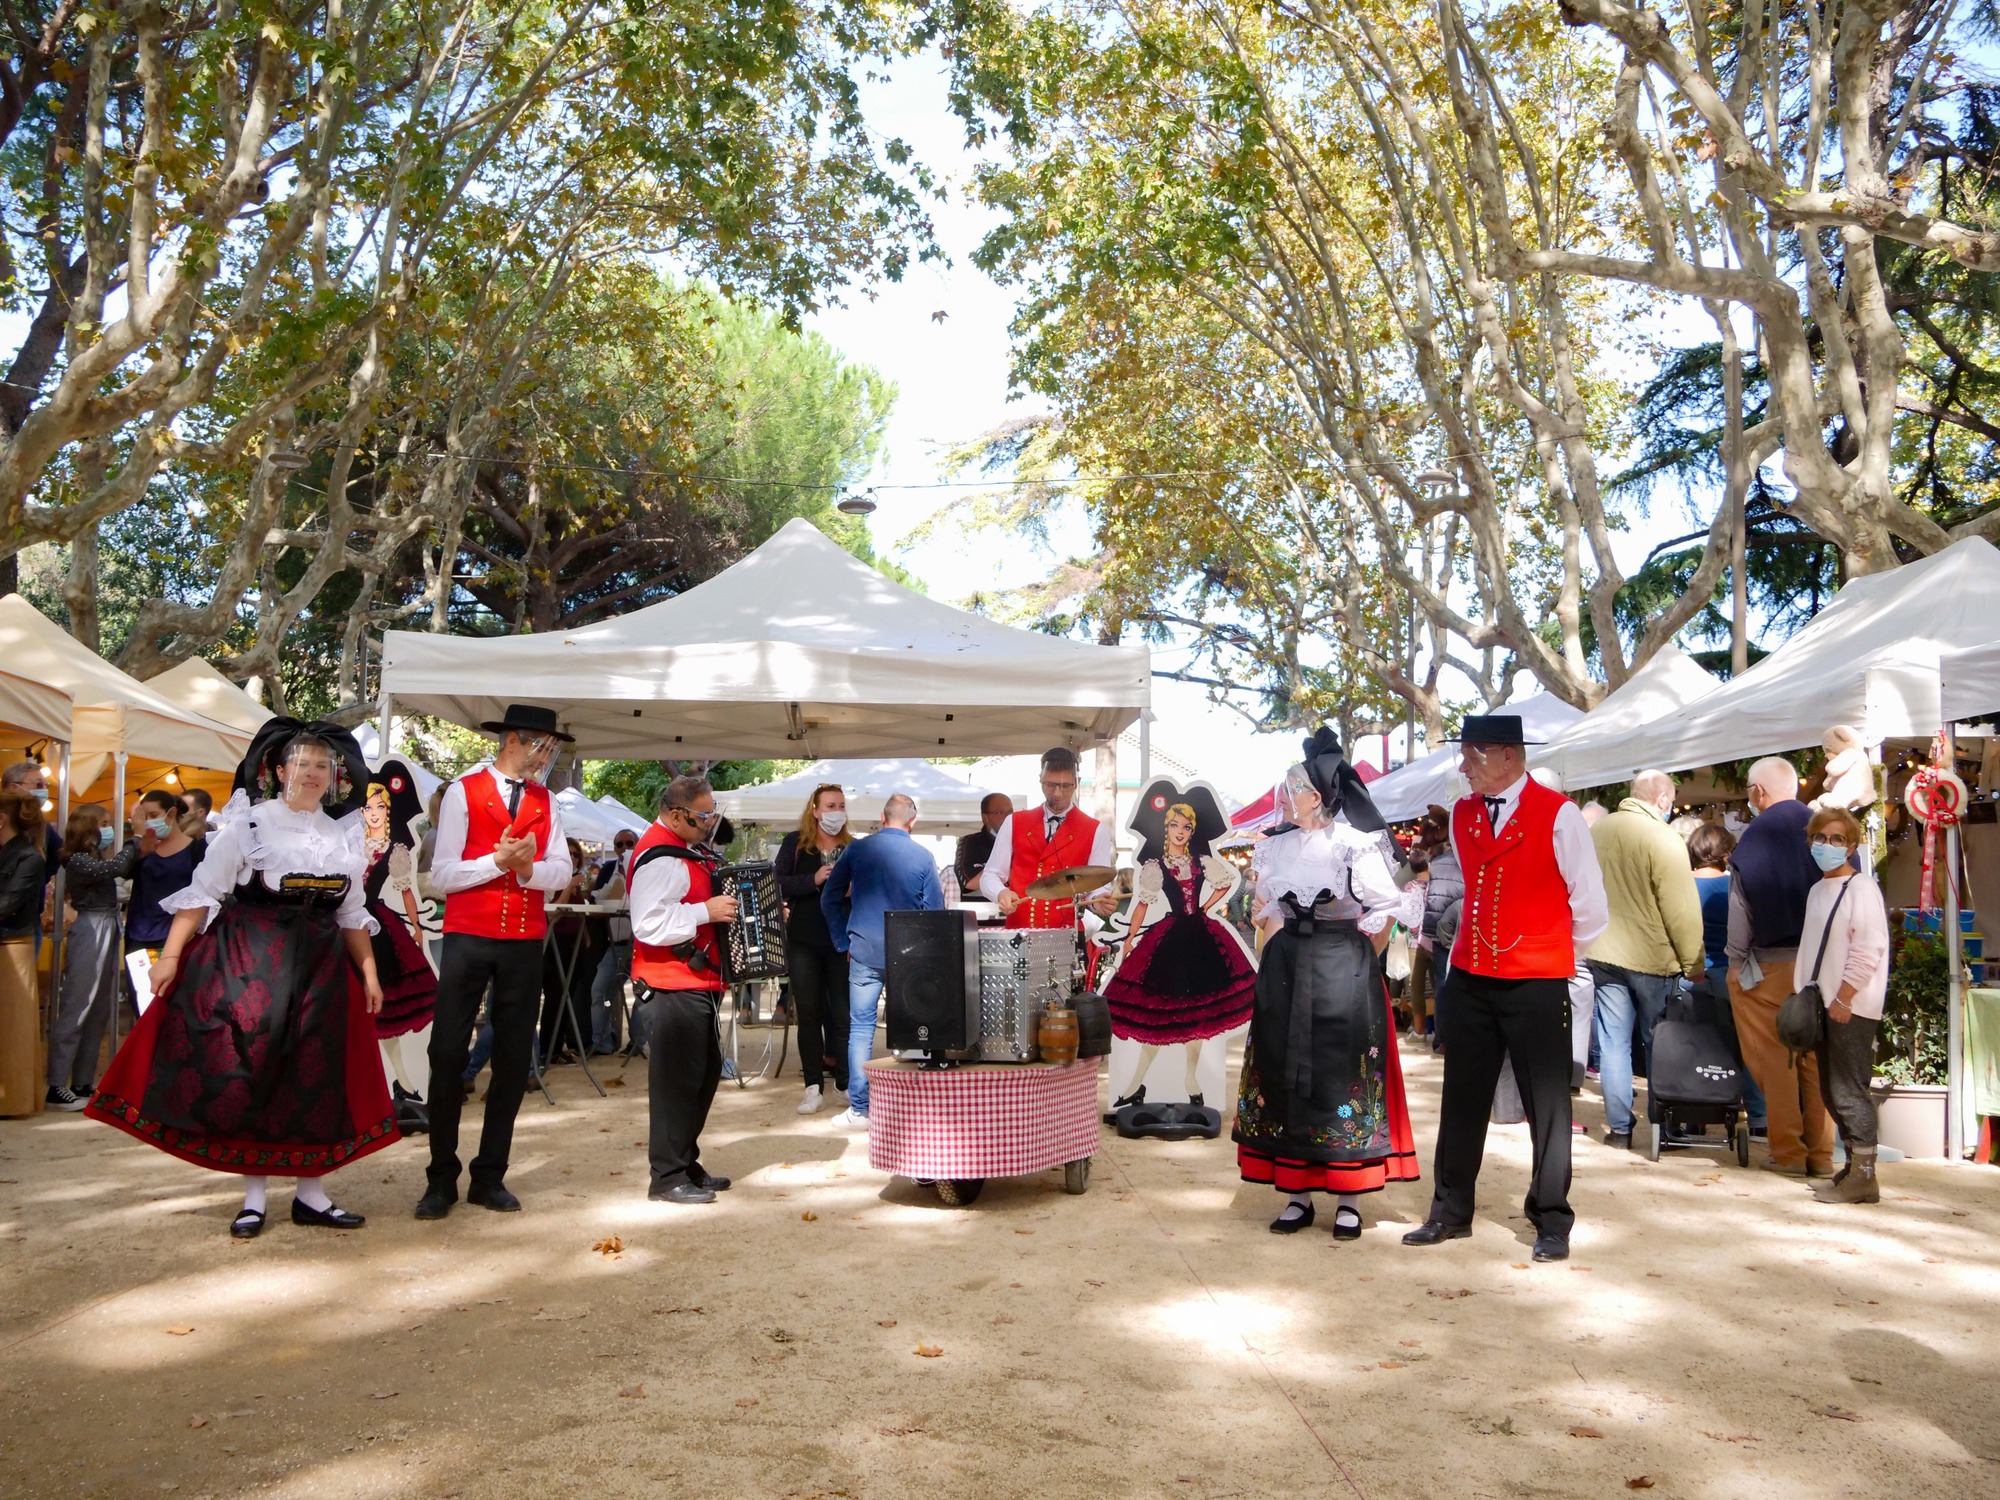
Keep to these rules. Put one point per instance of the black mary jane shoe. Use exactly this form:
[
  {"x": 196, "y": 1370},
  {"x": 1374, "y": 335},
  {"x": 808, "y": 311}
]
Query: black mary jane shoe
[
  {"x": 325, "y": 1218},
  {"x": 1347, "y": 1224},
  {"x": 247, "y": 1225},
  {"x": 1283, "y": 1225},
  {"x": 1137, "y": 1096}
]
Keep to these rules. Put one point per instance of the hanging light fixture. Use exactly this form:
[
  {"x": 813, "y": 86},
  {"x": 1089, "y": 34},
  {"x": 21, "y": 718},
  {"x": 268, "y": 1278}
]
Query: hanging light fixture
[
  {"x": 851, "y": 504},
  {"x": 287, "y": 459},
  {"x": 172, "y": 778}
]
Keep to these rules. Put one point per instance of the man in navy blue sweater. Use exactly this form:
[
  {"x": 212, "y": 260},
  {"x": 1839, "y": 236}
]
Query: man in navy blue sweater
[{"x": 885, "y": 872}]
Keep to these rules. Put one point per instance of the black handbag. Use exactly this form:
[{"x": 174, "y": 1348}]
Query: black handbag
[{"x": 1802, "y": 1017}]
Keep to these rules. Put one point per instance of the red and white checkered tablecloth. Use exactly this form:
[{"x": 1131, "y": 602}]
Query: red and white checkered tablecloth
[{"x": 983, "y": 1120}]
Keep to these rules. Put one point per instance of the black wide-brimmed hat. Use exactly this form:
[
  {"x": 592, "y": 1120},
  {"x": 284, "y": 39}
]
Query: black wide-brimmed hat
[
  {"x": 1490, "y": 729},
  {"x": 528, "y": 718}
]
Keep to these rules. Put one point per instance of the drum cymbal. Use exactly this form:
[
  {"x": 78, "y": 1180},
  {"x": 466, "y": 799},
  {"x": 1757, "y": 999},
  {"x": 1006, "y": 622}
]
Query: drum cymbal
[{"x": 1074, "y": 882}]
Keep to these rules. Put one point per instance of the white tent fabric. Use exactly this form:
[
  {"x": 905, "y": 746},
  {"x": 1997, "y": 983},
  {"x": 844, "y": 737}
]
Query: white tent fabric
[
  {"x": 946, "y": 802},
  {"x": 113, "y": 711},
  {"x": 798, "y": 650},
  {"x": 1971, "y": 687},
  {"x": 195, "y": 684},
  {"x": 1871, "y": 659},
  {"x": 1664, "y": 686},
  {"x": 622, "y": 815},
  {"x": 1405, "y": 793},
  {"x": 583, "y": 820},
  {"x": 37, "y": 709}
]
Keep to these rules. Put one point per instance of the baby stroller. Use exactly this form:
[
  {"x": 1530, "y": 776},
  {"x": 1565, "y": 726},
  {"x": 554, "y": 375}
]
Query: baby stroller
[{"x": 1695, "y": 1078}]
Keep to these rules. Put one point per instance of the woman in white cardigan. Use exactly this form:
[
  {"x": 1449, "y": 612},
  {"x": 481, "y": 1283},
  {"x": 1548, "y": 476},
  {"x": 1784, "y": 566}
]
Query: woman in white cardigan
[{"x": 1851, "y": 967}]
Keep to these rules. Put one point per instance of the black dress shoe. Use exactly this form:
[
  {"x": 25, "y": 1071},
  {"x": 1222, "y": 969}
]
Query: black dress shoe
[
  {"x": 325, "y": 1218},
  {"x": 247, "y": 1225},
  {"x": 1432, "y": 1232},
  {"x": 1618, "y": 1140},
  {"x": 684, "y": 1192},
  {"x": 1551, "y": 1247},
  {"x": 1288, "y": 1223},
  {"x": 435, "y": 1203},
  {"x": 708, "y": 1180},
  {"x": 495, "y": 1197}
]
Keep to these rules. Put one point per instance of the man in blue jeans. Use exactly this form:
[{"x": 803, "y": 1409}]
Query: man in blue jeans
[
  {"x": 1653, "y": 939},
  {"x": 882, "y": 873}
]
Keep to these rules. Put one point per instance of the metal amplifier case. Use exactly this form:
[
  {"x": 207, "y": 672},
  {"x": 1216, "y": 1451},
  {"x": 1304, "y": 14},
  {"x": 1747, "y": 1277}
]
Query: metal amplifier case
[{"x": 1019, "y": 969}]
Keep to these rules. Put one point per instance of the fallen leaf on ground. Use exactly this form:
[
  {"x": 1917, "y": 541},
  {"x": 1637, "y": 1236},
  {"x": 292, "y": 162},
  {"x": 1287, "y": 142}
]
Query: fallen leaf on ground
[
  {"x": 666, "y": 1312},
  {"x": 1639, "y": 1482},
  {"x": 1656, "y": 1275},
  {"x": 1447, "y": 1293},
  {"x": 545, "y": 1316},
  {"x": 1730, "y": 1437},
  {"x": 898, "y": 1431},
  {"x": 927, "y": 1351},
  {"x": 1585, "y": 1432},
  {"x": 1390, "y": 1364},
  {"x": 1024, "y": 1231},
  {"x": 1411, "y": 1343},
  {"x": 1838, "y": 1413},
  {"x": 1864, "y": 1379},
  {"x": 1520, "y": 1265},
  {"x": 1000, "y": 1318},
  {"x": 782, "y": 1336},
  {"x": 746, "y": 1401},
  {"x": 614, "y": 1083},
  {"x": 1933, "y": 1260},
  {"x": 1502, "y": 1428},
  {"x": 809, "y": 1216},
  {"x": 199, "y": 1422},
  {"x": 385, "y": 1395},
  {"x": 613, "y": 1247},
  {"x": 1580, "y": 1268},
  {"x": 885, "y": 1322},
  {"x": 181, "y": 1330},
  {"x": 1088, "y": 1282},
  {"x": 633, "y": 1392}
]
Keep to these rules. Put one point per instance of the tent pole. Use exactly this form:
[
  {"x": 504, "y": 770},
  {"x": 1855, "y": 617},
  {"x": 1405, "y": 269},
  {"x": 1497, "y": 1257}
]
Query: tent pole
[
  {"x": 58, "y": 894},
  {"x": 1145, "y": 748},
  {"x": 1954, "y": 1122},
  {"x": 383, "y": 721},
  {"x": 118, "y": 764}
]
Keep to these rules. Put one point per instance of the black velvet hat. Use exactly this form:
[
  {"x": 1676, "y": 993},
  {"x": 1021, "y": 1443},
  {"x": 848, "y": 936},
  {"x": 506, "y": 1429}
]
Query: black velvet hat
[{"x": 528, "y": 718}]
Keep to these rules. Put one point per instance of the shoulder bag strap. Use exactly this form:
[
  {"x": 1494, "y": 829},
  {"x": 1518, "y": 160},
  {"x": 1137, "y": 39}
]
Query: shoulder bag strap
[{"x": 1827, "y": 932}]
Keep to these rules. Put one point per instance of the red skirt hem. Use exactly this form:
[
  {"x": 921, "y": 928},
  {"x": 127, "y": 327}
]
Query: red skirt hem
[
  {"x": 1326, "y": 1176},
  {"x": 246, "y": 1158}
]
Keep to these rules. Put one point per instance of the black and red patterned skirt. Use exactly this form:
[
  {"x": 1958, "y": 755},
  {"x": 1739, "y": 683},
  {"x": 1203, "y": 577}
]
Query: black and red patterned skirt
[
  {"x": 1186, "y": 979},
  {"x": 261, "y": 1058},
  {"x": 409, "y": 989}
]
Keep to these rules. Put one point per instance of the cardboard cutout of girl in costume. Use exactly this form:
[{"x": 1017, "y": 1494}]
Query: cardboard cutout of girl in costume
[{"x": 1183, "y": 976}]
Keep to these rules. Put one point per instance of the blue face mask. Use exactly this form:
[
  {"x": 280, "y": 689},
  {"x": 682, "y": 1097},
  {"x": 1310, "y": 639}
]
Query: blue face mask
[
  {"x": 1828, "y": 857},
  {"x": 104, "y": 838},
  {"x": 157, "y": 827}
]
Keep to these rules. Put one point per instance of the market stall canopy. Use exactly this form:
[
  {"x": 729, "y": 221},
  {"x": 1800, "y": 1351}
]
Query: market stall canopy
[
  {"x": 1664, "y": 686},
  {"x": 584, "y": 821},
  {"x": 1971, "y": 687},
  {"x": 1871, "y": 659},
  {"x": 31, "y": 710},
  {"x": 801, "y": 649},
  {"x": 114, "y": 712},
  {"x": 622, "y": 815},
  {"x": 1406, "y": 792},
  {"x": 946, "y": 802},
  {"x": 197, "y": 685}
]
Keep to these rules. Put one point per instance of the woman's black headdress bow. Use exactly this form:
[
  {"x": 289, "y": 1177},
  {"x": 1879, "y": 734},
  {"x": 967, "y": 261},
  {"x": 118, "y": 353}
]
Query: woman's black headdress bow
[{"x": 1339, "y": 785}]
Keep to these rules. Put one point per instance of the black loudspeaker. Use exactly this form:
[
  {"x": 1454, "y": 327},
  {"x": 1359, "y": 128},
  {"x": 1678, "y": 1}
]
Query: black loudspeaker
[{"x": 931, "y": 983}]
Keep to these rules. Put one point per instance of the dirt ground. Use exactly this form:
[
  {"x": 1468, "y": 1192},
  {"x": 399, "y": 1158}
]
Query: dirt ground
[{"x": 1717, "y": 1333}]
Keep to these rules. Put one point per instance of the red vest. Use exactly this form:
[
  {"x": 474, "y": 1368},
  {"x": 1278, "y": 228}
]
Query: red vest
[
  {"x": 502, "y": 907},
  {"x": 1516, "y": 920},
  {"x": 1036, "y": 855},
  {"x": 662, "y": 968}
]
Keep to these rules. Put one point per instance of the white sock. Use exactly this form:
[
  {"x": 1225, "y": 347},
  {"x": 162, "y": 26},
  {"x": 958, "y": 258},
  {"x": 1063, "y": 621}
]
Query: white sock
[
  {"x": 1297, "y": 1207},
  {"x": 253, "y": 1194},
  {"x": 311, "y": 1191},
  {"x": 1349, "y": 1203}
]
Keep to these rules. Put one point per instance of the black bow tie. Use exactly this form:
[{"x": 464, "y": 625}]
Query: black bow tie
[
  {"x": 1493, "y": 806},
  {"x": 513, "y": 795}
]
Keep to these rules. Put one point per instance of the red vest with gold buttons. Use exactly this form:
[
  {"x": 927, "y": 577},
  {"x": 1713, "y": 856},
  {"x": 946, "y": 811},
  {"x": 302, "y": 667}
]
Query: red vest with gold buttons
[
  {"x": 1036, "y": 855},
  {"x": 662, "y": 968},
  {"x": 502, "y": 907},
  {"x": 1516, "y": 920}
]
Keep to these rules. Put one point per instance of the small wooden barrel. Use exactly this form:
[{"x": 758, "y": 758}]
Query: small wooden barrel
[{"x": 1056, "y": 1036}]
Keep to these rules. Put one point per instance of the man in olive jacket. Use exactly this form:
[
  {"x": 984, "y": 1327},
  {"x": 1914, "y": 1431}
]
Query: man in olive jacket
[{"x": 1654, "y": 936}]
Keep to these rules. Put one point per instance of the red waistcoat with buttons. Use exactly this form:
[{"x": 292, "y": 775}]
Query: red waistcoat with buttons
[
  {"x": 1036, "y": 855},
  {"x": 502, "y": 907},
  {"x": 662, "y": 968},
  {"x": 1515, "y": 923}
]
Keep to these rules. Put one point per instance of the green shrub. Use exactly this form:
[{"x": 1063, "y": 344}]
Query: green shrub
[{"x": 1915, "y": 1016}]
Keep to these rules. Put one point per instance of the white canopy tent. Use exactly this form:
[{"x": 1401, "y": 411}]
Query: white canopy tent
[
  {"x": 622, "y": 815},
  {"x": 946, "y": 801},
  {"x": 34, "y": 709},
  {"x": 1663, "y": 687},
  {"x": 798, "y": 650},
  {"x": 197, "y": 685},
  {"x": 1406, "y": 792},
  {"x": 1871, "y": 659},
  {"x": 583, "y": 820},
  {"x": 1971, "y": 686}
]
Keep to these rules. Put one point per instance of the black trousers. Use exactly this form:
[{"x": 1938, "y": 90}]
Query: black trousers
[
  {"x": 819, "y": 998},
  {"x": 513, "y": 966},
  {"x": 1527, "y": 1020},
  {"x": 1846, "y": 1063},
  {"x": 683, "y": 1066}
]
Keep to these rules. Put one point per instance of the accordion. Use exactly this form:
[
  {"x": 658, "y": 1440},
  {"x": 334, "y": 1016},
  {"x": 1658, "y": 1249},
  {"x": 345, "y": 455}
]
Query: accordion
[{"x": 753, "y": 946}]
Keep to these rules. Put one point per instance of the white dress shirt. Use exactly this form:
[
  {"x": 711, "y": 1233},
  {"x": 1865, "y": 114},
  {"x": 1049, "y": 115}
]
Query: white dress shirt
[
  {"x": 1576, "y": 858},
  {"x": 452, "y": 871},
  {"x": 1340, "y": 858},
  {"x": 661, "y": 913},
  {"x": 268, "y": 840},
  {"x": 993, "y": 879}
]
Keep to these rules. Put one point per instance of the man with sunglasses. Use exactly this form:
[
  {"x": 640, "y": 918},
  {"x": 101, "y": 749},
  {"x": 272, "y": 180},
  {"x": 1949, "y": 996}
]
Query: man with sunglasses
[
  {"x": 1047, "y": 840},
  {"x": 500, "y": 851},
  {"x": 677, "y": 964}
]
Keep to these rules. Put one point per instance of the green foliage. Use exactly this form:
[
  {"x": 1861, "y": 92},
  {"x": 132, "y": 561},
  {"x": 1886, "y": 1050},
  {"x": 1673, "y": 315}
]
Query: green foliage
[
  {"x": 1912, "y": 1045},
  {"x": 640, "y": 784}
]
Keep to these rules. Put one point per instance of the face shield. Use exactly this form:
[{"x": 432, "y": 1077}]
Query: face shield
[
  {"x": 540, "y": 750},
  {"x": 1297, "y": 801}
]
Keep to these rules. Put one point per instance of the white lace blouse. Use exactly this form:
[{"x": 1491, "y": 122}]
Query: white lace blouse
[
  {"x": 1307, "y": 861},
  {"x": 268, "y": 841}
]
